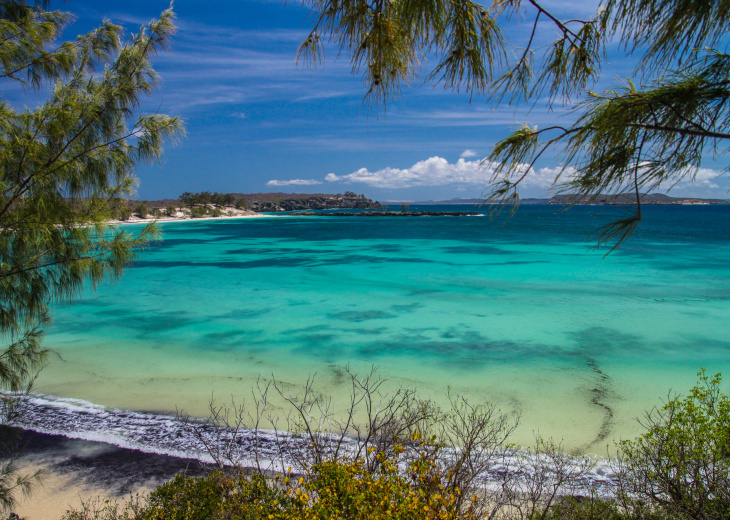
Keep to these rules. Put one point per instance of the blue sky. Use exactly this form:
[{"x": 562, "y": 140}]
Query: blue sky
[{"x": 257, "y": 122}]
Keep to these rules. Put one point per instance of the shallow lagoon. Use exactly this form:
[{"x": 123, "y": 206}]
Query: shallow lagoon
[{"x": 522, "y": 314}]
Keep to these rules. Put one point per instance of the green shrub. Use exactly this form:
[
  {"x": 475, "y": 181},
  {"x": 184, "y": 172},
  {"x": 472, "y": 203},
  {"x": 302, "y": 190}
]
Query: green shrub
[
  {"x": 678, "y": 469},
  {"x": 681, "y": 465},
  {"x": 586, "y": 508},
  {"x": 215, "y": 496},
  {"x": 141, "y": 210},
  {"x": 123, "y": 212},
  {"x": 198, "y": 212}
]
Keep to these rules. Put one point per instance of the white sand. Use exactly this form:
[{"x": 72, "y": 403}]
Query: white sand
[
  {"x": 77, "y": 471},
  {"x": 182, "y": 217},
  {"x": 61, "y": 492}
]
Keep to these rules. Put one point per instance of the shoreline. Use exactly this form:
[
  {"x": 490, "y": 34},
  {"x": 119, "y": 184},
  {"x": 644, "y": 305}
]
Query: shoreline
[
  {"x": 166, "y": 436},
  {"x": 186, "y": 218},
  {"x": 77, "y": 471},
  {"x": 80, "y": 471}
]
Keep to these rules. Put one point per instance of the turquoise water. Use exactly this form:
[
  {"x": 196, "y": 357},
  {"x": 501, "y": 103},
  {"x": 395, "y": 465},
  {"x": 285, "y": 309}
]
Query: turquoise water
[{"x": 522, "y": 314}]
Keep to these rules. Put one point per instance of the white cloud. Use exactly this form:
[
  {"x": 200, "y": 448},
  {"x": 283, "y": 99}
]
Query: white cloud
[
  {"x": 706, "y": 174},
  {"x": 468, "y": 154},
  {"x": 437, "y": 171},
  {"x": 695, "y": 182},
  {"x": 297, "y": 182}
]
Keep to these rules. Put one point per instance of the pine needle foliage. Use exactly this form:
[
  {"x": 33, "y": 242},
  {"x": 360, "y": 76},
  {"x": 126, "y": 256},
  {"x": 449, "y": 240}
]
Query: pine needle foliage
[
  {"x": 647, "y": 132},
  {"x": 63, "y": 164}
]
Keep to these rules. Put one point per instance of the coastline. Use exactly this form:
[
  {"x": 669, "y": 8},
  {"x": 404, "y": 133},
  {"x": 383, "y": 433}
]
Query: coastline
[
  {"x": 183, "y": 217},
  {"x": 77, "y": 471}
]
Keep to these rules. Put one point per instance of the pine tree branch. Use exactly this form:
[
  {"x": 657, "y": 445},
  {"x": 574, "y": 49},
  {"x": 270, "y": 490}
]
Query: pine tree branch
[{"x": 681, "y": 131}]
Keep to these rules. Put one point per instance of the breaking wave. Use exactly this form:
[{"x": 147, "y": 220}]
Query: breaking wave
[{"x": 173, "y": 436}]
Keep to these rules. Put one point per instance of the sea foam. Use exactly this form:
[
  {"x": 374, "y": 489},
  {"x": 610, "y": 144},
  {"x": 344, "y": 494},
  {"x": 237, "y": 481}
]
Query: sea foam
[{"x": 196, "y": 439}]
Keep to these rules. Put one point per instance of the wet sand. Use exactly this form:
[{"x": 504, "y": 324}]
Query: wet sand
[{"x": 77, "y": 471}]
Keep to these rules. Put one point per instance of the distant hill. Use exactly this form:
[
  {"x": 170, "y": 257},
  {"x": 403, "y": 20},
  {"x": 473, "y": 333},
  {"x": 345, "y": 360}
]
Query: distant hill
[
  {"x": 630, "y": 199},
  {"x": 609, "y": 200},
  {"x": 454, "y": 201},
  {"x": 268, "y": 202},
  {"x": 278, "y": 201}
]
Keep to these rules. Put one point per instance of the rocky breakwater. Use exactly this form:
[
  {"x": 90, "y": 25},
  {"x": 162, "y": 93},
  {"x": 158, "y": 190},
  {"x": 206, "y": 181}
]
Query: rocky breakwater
[
  {"x": 391, "y": 214},
  {"x": 318, "y": 202}
]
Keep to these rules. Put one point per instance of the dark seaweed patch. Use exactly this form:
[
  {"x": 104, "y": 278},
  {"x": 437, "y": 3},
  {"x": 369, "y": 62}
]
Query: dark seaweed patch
[
  {"x": 245, "y": 313},
  {"x": 471, "y": 351},
  {"x": 409, "y": 307},
  {"x": 368, "y": 332},
  {"x": 360, "y": 316},
  {"x": 475, "y": 250},
  {"x": 224, "y": 336}
]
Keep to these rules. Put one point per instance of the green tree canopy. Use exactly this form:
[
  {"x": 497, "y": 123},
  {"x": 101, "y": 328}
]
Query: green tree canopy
[
  {"x": 64, "y": 163},
  {"x": 644, "y": 133}
]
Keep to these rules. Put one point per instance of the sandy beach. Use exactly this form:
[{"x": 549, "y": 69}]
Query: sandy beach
[
  {"x": 180, "y": 216},
  {"x": 76, "y": 471}
]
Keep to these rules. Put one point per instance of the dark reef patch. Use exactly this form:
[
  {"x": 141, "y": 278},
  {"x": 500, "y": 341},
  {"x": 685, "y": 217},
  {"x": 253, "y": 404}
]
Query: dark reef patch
[
  {"x": 470, "y": 351},
  {"x": 311, "y": 328},
  {"x": 159, "y": 322},
  {"x": 172, "y": 242},
  {"x": 245, "y": 313},
  {"x": 422, "y": 292},
  {"x": 368, "y": 332},
  {"x": 597, "y": 341},
  {"x": 319, "y": 346},
  {"x": 225, "y": 336},
  {"x": 338, "y": 374},
  {"x": 476, "y": 250},
  {"x": 599, "y": 397},
  {"x": 408, "y": 307},
  {"x": 360, "y": 316},
  {"x": 387, "y": 248}
]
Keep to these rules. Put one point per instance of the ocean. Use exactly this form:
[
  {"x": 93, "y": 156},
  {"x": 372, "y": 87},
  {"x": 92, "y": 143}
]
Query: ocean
[{"x": 521, "y": 312}]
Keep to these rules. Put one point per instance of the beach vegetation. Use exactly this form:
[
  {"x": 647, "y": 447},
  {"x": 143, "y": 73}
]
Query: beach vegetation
[
  {"x": 681, "y": 464},
  {"x": 170, "y": 211},
  {"x": 141, "y": 210},
  {"x": 407, "y": 459},
  {"x": 205, "y": 198},
  {"x": 63, "y": 164},
  {"x": 648, "y": 132},
  {"x": 198, "y": 212},
  {"x": 124, "y": 212}
]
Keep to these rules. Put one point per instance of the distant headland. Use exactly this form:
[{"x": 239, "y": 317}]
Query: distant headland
[
  {"x": 568, "y": 199},
  {"x": 205, "y": 204},
  {"x": 220, "y": 205}
]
